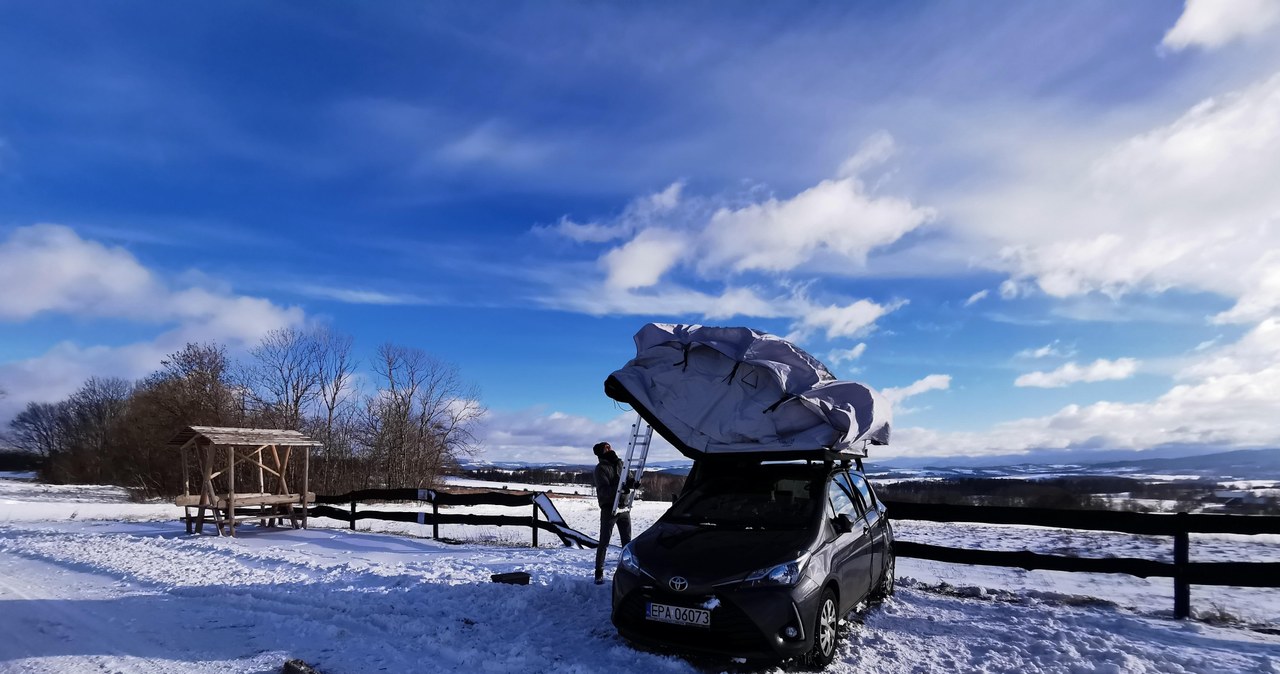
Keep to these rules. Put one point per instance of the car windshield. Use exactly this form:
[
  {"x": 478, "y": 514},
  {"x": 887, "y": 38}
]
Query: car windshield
[{"x": 769, "y": 497}]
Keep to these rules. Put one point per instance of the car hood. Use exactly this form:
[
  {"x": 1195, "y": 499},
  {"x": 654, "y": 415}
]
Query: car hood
[{"x": 710, "y": 555}]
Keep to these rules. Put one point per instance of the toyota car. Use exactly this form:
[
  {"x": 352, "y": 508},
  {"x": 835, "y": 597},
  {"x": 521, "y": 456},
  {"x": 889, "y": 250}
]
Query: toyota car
[{"x": 758, "y": 561}]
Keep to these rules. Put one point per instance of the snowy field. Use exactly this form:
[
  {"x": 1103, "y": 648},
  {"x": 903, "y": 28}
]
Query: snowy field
[{"x": 92, "y": 583}]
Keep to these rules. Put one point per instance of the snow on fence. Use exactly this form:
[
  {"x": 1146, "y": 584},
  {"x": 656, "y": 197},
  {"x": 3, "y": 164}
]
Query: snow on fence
[
  {"x": 1183, "y": 572},
  {"x": 543, "y": 515}
]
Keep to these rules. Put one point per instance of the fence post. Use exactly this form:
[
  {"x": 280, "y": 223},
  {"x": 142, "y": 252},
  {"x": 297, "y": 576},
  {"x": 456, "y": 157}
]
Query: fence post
[
  {"x": 1181, "y": 556},
  {"x": 534, "y": 525},
  {"x": 435, "y": 520},
  {"x": 353, "y": 514}
]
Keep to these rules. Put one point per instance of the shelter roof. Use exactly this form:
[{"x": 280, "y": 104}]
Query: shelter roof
[{"x": 220, "y": 435}]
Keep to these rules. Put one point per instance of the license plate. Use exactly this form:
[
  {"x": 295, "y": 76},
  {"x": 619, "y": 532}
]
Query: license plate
[{"x": 677, "y": 615}]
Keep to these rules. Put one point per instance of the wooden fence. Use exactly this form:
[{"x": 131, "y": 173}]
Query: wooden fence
[
  {"x": 542, "y": 514},
  {"x": 1184, "y": 572}
]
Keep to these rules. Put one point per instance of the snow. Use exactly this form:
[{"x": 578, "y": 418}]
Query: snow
[{"x": 120, "y": 587}]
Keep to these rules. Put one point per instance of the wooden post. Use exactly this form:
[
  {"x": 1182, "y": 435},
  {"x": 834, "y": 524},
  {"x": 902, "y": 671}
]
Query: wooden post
[
  {"x": 186, "y": 484},
  {"x": 208, "y": 498},
  {"x": 262, "y": 486},
  {"x": 186, "y": 480},
  {"x": 306, "y": 469},
  {"x": 231, "y": 489},
  {"x": 534, "y": 525},
  {"x": 353, "y": 514},
  {"x": 435, "y": 520},
  {"x": 1181, "y": 557}
]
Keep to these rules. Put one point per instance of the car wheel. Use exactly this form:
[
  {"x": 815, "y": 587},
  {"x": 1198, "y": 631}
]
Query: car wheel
[
  {"x": 825, "y": 634},
  {"x": 885, "y": 589}
]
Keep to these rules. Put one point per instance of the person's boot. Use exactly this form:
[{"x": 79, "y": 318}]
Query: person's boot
[{"x": 599, "y": 577}]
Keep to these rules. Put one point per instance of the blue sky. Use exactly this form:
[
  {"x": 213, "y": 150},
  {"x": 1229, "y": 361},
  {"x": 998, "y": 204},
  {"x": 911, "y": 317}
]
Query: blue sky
[{"x": 1044, "y": 229}]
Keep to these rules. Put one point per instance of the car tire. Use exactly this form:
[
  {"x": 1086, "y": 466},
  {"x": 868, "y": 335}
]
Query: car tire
[
  {"x": 884, "y": 590},
  {"x": 826, "y": 635}
]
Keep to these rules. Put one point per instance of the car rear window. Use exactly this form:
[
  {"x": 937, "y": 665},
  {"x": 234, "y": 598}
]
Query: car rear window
[{"x": 764, "y": 499}]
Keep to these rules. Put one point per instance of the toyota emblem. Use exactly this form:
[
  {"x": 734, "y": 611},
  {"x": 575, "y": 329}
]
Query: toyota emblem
[{"x": 678, "y": 583}]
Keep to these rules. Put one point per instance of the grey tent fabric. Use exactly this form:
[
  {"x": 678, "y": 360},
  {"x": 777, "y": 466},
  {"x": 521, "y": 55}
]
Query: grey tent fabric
[{"x": 720, "y": 391}]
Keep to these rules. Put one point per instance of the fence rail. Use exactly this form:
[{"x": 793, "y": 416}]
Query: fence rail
[
  {"x": 1179, "y": 526},
  {"x": 543, "y": 515}
]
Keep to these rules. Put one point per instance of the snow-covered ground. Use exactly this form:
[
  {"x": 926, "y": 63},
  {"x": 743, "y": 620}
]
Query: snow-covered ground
[{"x": 90, "y": 582}]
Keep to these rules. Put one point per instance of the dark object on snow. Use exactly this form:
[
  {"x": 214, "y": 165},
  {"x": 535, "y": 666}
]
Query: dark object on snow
[
  {"x": 296, "y": 666},
  {"x": 512, "y": 578},
  {"x": 736, "y": 391}
]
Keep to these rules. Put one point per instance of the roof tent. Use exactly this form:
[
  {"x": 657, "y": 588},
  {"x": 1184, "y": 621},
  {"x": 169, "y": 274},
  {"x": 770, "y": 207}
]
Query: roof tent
[{"x": 715, "y": 392}]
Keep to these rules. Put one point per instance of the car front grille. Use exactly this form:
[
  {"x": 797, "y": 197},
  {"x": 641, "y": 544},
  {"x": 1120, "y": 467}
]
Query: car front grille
[{"x": 731, "y": 631}]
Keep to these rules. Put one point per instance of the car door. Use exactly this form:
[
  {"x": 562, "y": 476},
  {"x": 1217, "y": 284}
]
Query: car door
[
  {"x": 852, "y": 553},
  {"x": 877, "y": 525}
]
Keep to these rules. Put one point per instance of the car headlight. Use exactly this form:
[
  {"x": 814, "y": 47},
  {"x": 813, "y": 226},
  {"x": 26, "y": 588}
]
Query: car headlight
[
  {"x": 787, "y": 573},
  {"x": 629, "y": 561}
]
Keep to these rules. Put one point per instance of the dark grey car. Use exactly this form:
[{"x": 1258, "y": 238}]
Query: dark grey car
[{"x": 756, "y": 561}]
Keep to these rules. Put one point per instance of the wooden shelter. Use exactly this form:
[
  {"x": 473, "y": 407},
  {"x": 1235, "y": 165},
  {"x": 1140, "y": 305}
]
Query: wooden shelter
[{"x": 269, "y": 465}]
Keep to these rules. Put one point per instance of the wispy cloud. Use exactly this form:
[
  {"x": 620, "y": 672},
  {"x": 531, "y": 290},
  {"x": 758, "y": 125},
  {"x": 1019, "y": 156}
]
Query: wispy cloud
[
  {"x": 839, "y": 356},
  {"x": 358, "y": 295},
  {"x": 1051, "y": 350},
  {"x": 1071, "y": 373},
  {"x": 933, "y": 382},
  {"x": 976, "y": 297}
]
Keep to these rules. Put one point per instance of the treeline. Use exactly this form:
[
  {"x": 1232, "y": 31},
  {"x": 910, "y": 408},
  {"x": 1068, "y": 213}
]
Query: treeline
[
  {"x": 402, "y": 427},
  {"x": 532, "y": 475},
  {"x": 1070, "y": 492},
  {"x": 654, "y": 485}
]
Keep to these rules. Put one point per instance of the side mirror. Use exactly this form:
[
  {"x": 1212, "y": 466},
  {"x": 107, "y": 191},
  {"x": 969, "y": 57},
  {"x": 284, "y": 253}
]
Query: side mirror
[{"x": 844, "y": 524}]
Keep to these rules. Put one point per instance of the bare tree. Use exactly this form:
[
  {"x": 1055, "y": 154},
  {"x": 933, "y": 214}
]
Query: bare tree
[
  {"x": 194, "y": 387},
  {"x": 332, "y": 424},
  {"x": 41, "y": 428},
  {"x": 420, "y": 417},
  {"x": 285, "y": 375},
  {"x": 94, "y": 411}
]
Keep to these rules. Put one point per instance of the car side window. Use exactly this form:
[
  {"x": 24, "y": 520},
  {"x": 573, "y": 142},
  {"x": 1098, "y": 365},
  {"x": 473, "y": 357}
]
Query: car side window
[
  {"x": 861, "y": 502},
  {"x": 840, "y": 501},
  {"x": 864, "y": 489}
]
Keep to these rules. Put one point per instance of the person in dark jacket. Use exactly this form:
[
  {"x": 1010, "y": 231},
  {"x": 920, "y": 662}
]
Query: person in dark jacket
[{"x": 608, "y": 474}]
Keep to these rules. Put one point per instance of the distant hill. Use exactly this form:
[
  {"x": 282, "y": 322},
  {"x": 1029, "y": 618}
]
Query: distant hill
[{"x": 1241, "y": 463}]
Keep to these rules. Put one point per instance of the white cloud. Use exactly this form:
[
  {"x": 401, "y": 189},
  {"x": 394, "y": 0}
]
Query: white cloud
[
  {"x": 839, "y": 356},
  {"x": 835, "y": 320},
  {"x": 977, "y": 297},
  {"x": 642, "y": 261},
  {"x": 1213, "y": 23},
  {"x": 1227, "y": 400},
  {"x": 1071, "y": 373},
  {"x": 933, "y": 382},
  {"x": 1256, "y": 350},
  {"x": 49, "y": 269},
  {"x": 836, "y": 217},
  {"x": 807, "y": 316},
  {"x": 835, "y": 224},
  {"x": 1190, "y": 205},
  {"x": 1050, "y": 350}
]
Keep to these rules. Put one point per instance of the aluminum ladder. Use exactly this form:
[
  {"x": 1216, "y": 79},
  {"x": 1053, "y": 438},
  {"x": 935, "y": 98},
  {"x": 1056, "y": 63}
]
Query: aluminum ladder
[{"x": 633, "y": 465}]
